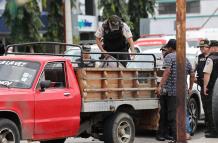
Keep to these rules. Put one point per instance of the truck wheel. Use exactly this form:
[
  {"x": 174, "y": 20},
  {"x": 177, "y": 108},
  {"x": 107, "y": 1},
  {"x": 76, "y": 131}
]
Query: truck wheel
[
  {"x": 9, "y": 132},
  {"x": 193, "y": 114},
  {"x": 214, "y": 104},
  {"x": 119, "y": 128},
  {"x": 54, "y": 141}
]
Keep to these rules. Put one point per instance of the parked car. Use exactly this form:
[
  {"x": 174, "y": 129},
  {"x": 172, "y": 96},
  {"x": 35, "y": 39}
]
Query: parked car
[
  {"x": 195, "y": 107},
  {"x": 153, "y": 41},
  {"x": 75, "y": 52}
]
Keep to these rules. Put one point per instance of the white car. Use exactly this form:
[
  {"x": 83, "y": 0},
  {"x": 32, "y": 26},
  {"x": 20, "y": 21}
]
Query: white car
[
  {"x": 195, "y": 107},
  {"x": 75, "y": 52},
  {"x": 153, "y": 41}
]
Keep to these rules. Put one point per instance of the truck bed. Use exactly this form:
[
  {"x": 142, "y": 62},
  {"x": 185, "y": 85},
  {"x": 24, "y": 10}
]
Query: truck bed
[{"x": 105, "y": 89}]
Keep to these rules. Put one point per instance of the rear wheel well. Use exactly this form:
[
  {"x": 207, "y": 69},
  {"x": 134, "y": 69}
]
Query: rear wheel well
[
  {"x": 127, "y": 109},
  {"x": 13, "y": 117}
]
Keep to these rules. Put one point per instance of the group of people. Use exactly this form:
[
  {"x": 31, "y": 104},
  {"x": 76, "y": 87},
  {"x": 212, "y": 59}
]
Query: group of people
[{"x": 206, "y": 68}]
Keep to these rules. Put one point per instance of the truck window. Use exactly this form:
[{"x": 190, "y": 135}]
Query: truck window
[
  {"x": 17, "y": 73},
  {"x": 55, "y": 73}
]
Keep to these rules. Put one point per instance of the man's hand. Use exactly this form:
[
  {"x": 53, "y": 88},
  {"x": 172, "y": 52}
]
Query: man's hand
[
  {"x": 158, "y": 91},
  {"x": 189, "y": 92},
  {"x": 205, "y": 91}
]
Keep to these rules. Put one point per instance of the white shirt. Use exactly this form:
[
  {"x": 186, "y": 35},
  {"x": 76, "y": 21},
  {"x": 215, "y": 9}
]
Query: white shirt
[{"x": 126, "y": 31}]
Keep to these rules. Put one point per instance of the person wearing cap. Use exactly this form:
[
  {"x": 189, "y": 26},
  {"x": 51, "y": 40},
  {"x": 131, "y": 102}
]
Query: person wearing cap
[
  {"x": 168, "y": 81},
  {"x": 210, "y": 77},
  {"x": 199, "y": 67},
  {"x": 116, "y": 36},
  {"x": 86, "y": 60},
  {"x": 163, "y": 131}
]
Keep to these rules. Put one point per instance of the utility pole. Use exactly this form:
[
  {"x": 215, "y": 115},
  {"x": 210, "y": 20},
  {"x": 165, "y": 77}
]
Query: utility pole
[
  {"x": 180, "y": 65},
  {"x": 68, "y": 22}
]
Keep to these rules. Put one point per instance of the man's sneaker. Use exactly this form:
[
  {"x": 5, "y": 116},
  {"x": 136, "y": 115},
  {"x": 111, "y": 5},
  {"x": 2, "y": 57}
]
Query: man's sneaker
[
  {"x": 172, "y": 141},
  {"x": 168, "y": 137},
  {"x": 211, "y": 135},
  {"x": 160, "y": 138}
]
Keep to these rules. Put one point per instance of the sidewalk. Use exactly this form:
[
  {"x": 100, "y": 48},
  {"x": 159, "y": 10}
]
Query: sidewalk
[{"x": 204, "y": 140}]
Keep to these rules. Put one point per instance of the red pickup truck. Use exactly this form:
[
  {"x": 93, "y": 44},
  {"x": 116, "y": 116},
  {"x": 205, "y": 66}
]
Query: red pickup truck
[{"x": 44, "y": 98}]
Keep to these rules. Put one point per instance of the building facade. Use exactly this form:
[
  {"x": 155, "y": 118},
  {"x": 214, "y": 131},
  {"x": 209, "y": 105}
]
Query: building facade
[{"x": 200, "y": 14}]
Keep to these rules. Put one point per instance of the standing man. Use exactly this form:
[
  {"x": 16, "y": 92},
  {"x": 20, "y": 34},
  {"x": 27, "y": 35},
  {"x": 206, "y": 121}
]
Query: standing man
[
  {"x": 205, "y": 51},
  {"x": 163, "y": 130},
  {"x": 116, "y": 35},
  {"x": 169, "y": 82},
  {"x": 210, "y": 77}
]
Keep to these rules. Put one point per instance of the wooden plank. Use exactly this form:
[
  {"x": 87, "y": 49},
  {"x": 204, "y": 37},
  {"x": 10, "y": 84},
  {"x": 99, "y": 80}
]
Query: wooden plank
[{"x": 118, "y": 89}]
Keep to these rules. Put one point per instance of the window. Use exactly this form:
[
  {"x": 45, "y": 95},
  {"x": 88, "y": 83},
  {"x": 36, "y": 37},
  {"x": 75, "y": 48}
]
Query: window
[
  {"x": 17, "y": 74},
  {"x": 192, "y": 6},
  {"x": 55, "y": 73}
]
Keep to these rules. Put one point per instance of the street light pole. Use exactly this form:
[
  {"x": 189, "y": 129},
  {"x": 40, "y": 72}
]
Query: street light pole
[
  {"x": 180, "y": 65},
  {"x": 68, "y": 22}
]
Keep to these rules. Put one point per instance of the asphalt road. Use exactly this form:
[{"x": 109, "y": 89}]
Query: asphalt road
[{"x": 149, "y": 137}]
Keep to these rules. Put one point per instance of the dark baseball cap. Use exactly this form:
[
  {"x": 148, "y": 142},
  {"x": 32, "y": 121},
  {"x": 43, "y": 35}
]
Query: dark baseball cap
[
  {"x": 213, "y": 43},
  {"x": 171, "y": 44},
  {"x": 114, "y": 22},
  {"x": 163, "y": 48},
  {"x": 204, "y": 43}
]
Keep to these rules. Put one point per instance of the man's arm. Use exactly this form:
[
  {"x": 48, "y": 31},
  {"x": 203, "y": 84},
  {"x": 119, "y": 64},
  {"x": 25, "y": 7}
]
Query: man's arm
[
  {"x": 131, "y": 43},
  {"x": 191, "y": 81},
  {"x": 99, "y": 43},
  {"x": 206, "y": 81},
  {"x": 207, "y": 72},
  {"x": 166, "y": 74}
]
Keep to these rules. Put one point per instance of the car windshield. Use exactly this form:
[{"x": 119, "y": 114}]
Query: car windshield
[{"x": 17, "y": 74}]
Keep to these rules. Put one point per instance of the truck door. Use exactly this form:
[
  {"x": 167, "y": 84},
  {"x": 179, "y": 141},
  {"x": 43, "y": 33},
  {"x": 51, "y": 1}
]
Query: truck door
[{"x": 54, "y": 107}]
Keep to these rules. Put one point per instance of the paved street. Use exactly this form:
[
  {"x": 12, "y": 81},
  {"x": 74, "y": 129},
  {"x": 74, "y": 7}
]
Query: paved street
[{"x": 149, "y": 137}]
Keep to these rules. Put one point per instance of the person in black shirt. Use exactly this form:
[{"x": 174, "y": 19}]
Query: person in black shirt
[
  {"x": 205, "y": 49},
  {"x": 116, "y": 36}
]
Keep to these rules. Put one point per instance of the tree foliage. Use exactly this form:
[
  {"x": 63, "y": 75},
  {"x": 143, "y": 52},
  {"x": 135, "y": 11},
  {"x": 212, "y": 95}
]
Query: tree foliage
[
  {"x": 140, "y": 9},
  {"x": 131, "y": 11},
  {"x": 55, "y": 9},
  {"x": 23, "y": 21},
  {"x": 55, "y": 31}
]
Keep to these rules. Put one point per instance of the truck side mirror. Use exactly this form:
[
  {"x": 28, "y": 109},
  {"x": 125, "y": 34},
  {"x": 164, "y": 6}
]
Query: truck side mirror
[{"x": 44, "y": 84}]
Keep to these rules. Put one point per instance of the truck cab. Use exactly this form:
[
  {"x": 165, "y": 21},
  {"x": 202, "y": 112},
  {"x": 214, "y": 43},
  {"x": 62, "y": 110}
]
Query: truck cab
[{"x": 38, "y": 112}]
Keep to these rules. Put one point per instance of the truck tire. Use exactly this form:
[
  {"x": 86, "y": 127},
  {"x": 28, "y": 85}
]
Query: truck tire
[
  {"x": 214, "y": 104},
  {"x": 119, "y": 128},
  {"x": 9, "y": 131},
  {"x": 54, "y": 141}
]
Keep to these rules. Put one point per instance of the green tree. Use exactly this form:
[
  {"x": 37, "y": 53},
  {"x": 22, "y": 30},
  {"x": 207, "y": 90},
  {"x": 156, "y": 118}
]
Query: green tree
[
  {"x": 140, "y": 9},
  {"x": 23, "y": 21},
  {"x": 55, "y": 9},
  {"x": 55, "y": 31},
  {"x": 117, "y": 7}
]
